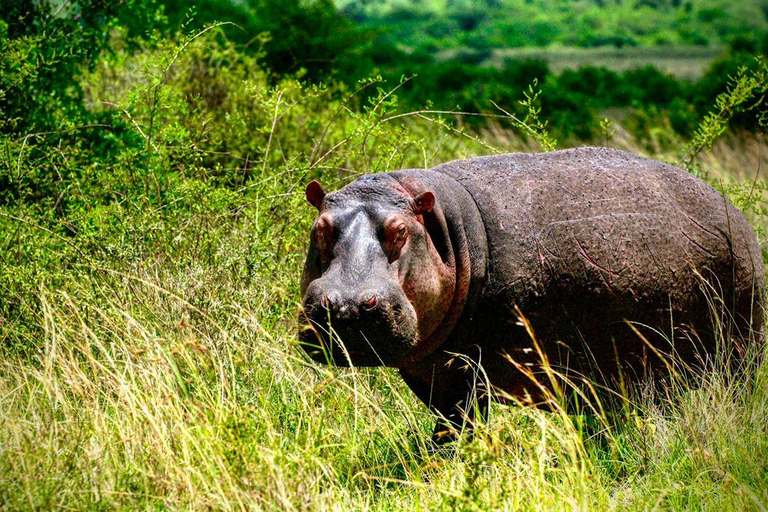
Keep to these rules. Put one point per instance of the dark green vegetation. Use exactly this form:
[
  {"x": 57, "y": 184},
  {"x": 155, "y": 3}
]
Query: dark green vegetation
[{"x": 152, "y": 228}]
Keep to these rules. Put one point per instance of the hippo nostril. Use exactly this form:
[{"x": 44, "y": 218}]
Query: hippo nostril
[{"x": 371, "y": 303}]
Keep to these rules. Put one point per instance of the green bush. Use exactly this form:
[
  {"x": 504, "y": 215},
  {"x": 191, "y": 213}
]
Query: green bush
[
  {"x": 191, "y": 128},
  {"x": 716, "y": 81}
]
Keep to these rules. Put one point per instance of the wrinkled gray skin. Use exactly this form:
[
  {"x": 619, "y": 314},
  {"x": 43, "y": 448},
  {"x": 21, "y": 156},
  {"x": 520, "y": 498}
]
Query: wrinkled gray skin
[{"x": 579, "y": 241}]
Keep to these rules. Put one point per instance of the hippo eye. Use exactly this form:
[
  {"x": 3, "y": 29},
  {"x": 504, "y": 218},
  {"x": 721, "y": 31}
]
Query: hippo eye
[{"x": 396, "y": 234}]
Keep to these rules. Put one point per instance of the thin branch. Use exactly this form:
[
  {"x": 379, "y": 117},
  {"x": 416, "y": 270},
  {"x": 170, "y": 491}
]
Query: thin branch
[
  {"x": 43, "y": 228},
  {"x": 271, "y": 131}
]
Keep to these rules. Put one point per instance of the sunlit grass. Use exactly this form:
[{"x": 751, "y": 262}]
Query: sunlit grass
[{"x": 134, "y": 397}]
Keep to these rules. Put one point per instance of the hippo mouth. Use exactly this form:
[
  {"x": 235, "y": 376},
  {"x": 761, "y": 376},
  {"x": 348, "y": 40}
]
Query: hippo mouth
[{"x": 381, "y": 341}]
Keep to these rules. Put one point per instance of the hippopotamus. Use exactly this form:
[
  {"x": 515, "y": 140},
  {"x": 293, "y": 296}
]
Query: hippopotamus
[{"x": 482, "y": 278}]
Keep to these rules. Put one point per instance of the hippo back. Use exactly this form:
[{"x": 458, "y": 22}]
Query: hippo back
[{"x": 582, "y": 240}]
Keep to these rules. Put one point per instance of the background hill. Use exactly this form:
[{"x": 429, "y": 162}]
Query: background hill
[{"x": 483, "y": 24}]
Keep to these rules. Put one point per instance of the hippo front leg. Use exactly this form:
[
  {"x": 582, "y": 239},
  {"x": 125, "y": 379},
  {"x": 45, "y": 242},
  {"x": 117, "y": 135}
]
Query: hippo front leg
[
  {"x": 459, "y": 417},
  {"x": 457, "y": 398}
]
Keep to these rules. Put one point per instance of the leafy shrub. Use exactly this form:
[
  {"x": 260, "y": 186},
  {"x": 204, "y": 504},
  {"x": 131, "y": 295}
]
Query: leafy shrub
[
  {"x": 716, "y": 81},
  {"x": 597, "y": 85},
  {"x": 308, "y": 38},
  {"x": 44, "y": 50}
]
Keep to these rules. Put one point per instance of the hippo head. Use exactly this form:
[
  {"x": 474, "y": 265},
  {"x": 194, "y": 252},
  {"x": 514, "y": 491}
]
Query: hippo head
[{"x": 376, "y": 283}]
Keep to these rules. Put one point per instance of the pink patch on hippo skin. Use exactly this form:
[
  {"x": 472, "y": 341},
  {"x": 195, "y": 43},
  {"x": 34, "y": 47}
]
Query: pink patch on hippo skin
[
  {"x": 423, "y": 202},
  {"x": 324, "y": 236}
]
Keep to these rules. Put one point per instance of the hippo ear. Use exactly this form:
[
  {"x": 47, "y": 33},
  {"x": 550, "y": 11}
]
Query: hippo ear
[
  {"x": 423, "y": 203},
  {"x": 315, "y": 194}
]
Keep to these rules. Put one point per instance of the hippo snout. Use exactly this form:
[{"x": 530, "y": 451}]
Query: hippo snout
[
  {"x": 349, "y": 307},
  {"x": 373, "y": 327}
]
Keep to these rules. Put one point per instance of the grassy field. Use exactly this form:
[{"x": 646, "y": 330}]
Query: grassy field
[
  {"x": 150, "y": 252},
  {"x": 685, "y": 62},
  {"x": 185, "y": 408}
]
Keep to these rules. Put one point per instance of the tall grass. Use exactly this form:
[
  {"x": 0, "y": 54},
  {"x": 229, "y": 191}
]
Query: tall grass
[{"x": 136, "y": 397}]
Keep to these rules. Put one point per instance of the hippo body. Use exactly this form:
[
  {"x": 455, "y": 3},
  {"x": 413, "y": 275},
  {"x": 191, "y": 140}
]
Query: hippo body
[{"x": 599, "y": 261}]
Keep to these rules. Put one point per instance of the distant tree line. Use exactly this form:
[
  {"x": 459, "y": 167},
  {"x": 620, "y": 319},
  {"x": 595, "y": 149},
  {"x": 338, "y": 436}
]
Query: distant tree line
[
  {"x": 315, "y": 42},
  {"x": 586, "y": 23}
]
